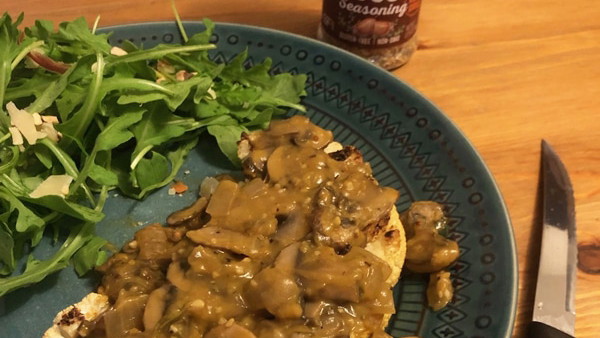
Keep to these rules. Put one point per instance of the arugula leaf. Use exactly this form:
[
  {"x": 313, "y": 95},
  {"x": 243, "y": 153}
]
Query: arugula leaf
[
  {"x": 9, "y": 158},
  {"x": 60, "y": 204},
  {"x": 30, "y": 182},
  {"x": 90, "y": 255},
  {"x": 67, "y": 162},
  {"x": 10, "y": 49},
  {"x": 35, "y": 86},
  {"x": 210, "y": 108},
  {"x": 114, "y": 134},
  {"x": 103, "y": 176},
  {"x": 238, "y": 96},
  {"x": 51, "y": 93},
  {"x": 151, "y": 171},
  {"x": 128, "y": 85},
  {"x": 157, "y": 53},
  {"x": 71, "y": 40},
  {"x": 75, "y": 127},
  {"x": 227, "y": 138},
  {"x": 158, "y": 127},
  {"x": 116, "y": 131},
  {"x": 7, "y": 244},
  {"x": 71, "y": 97},
  {"x": 176, "y": 157},
  {"x": 44, "y": 156},
  {"x": 27, "y": 220},
  {"x": 177, "y": 92},
  {"x": 262, "y": 119},
  {"x": 284, "y": 90},
  {"x": 37, "y": 270},
  {"x": 13, "y": 183},
  {"x": 42, "y": 29},
  {"x": 78, "y": 35},
  {"x": 203, "y": 37}
]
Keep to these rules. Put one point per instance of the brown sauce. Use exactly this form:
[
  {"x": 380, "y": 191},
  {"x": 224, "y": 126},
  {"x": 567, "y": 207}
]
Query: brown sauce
[{"x": 280, "y": 254}]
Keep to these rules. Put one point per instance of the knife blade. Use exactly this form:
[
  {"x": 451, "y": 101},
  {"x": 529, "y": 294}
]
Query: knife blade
[{"x": 554, "y": 306}]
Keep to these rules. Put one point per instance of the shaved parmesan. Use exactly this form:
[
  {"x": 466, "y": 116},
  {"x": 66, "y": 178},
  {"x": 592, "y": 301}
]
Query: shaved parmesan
[
  {"x": 37, "y": 119},
  {"x": 48, "y": 129},
  {"x": 211, "y": 93},
  {"x": 118, "y": 51},
  {"x": 17, "y": 138},
  {"x": 25, "y": 122},
  {"x": 50, "y": 119},
  {"x": 57, "y": 185}
]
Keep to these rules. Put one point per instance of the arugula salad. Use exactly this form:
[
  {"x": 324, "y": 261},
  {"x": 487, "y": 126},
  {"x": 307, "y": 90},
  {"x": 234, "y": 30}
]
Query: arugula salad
[{"x": 79, "y": 118}]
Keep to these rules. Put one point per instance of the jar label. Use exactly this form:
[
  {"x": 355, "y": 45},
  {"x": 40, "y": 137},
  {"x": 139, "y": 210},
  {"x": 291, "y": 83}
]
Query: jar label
[{"x": 371, "y": 23}]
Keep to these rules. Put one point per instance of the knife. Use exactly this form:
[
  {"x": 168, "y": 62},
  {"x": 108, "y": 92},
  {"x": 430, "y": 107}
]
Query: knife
[{"x": 554, "y": 306}]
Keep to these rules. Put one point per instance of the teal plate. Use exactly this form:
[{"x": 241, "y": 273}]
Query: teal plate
[{"x": 411, "y": 145}]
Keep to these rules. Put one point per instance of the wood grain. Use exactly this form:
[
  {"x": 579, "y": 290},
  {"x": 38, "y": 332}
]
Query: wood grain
[{"x": 507, "y": 72}]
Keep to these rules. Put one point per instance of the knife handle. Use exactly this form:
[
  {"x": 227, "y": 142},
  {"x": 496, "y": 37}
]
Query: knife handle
[{"x": 541, "y": 330}]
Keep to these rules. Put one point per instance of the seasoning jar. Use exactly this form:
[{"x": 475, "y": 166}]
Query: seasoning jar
[{"x": 382, "y": 31}]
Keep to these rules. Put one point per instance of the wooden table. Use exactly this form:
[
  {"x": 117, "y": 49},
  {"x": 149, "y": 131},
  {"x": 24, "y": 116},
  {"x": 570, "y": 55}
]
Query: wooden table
[{"x": 507, "y": 72}]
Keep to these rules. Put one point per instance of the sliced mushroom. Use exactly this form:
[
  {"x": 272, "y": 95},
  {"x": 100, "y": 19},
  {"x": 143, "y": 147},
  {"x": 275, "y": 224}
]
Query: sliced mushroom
[
  {"x": 230, "y": 240},
  {"x": 183, "y": 215},
  {"x": 154, "y": 243},
  {"x": 229, "y": 330},
  {"x": 222, "y": 198},
  {"x": 125, "y": 317},
  {"x": 292, "y": 229},
  {"x": 155, "y": 307}
]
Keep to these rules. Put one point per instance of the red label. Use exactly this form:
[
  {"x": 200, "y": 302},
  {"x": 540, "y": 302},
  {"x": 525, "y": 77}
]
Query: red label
[{"x": 371, "y": 23}]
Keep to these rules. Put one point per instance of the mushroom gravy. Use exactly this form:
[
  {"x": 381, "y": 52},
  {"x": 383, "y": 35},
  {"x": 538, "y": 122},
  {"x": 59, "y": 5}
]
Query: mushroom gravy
[{"x": 283, "y": 253}]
